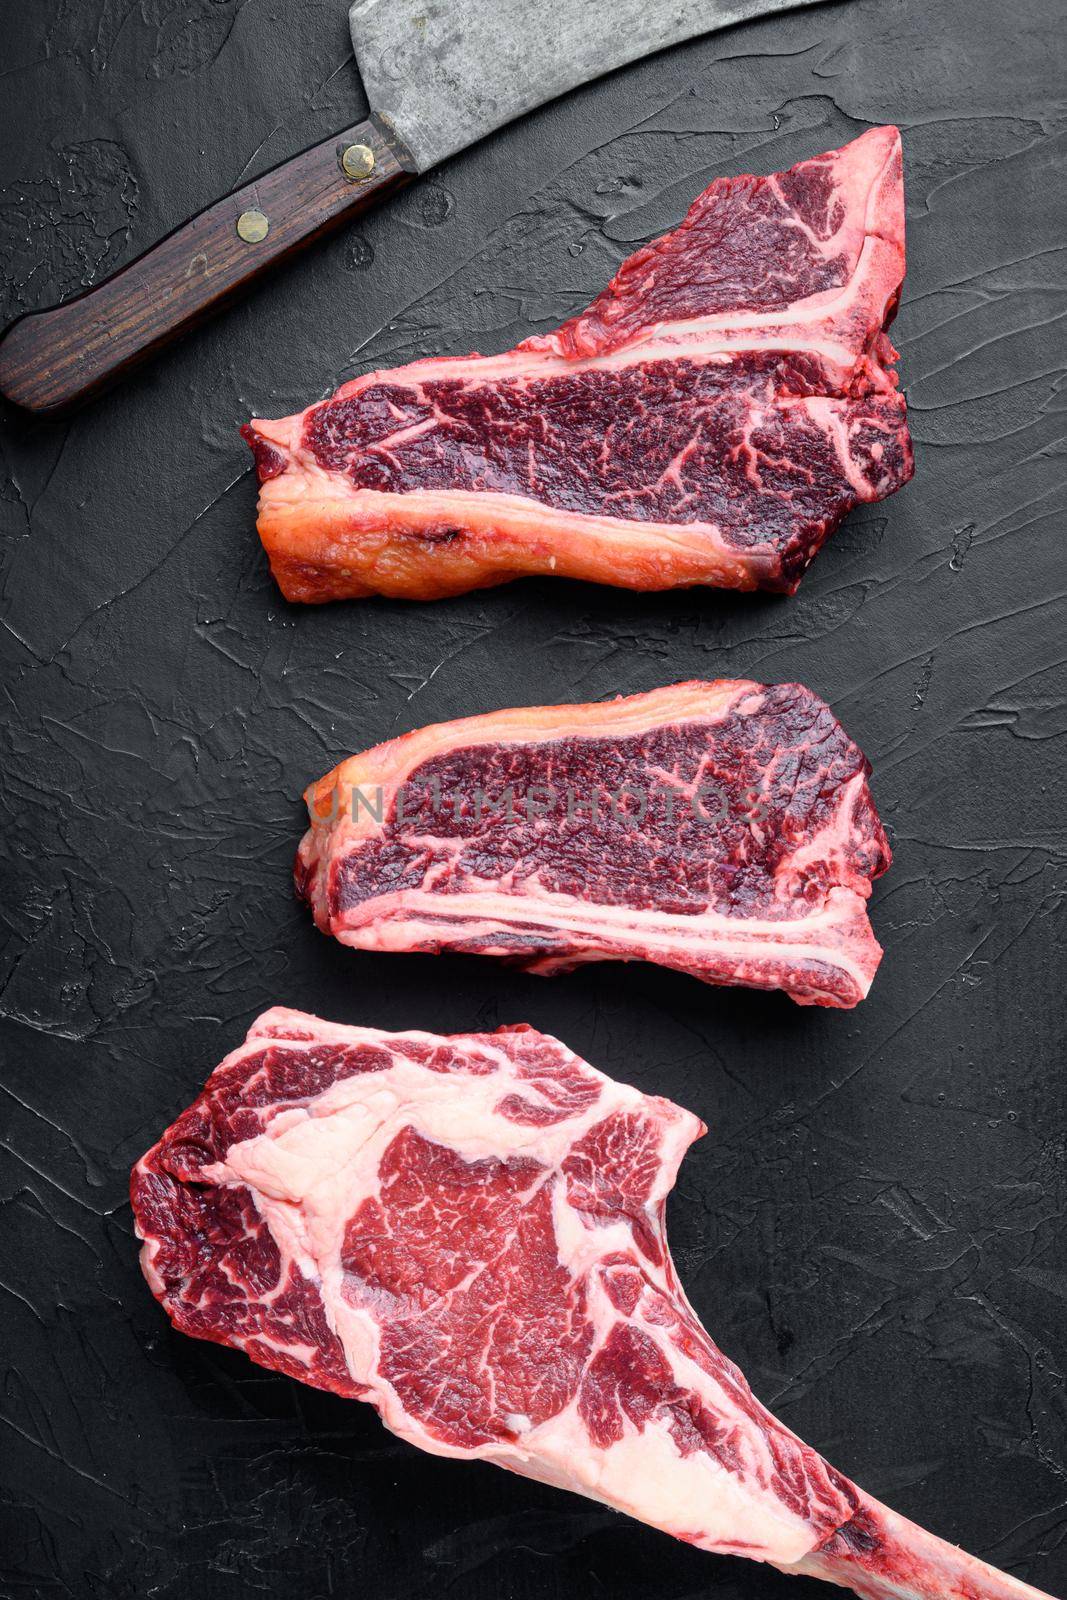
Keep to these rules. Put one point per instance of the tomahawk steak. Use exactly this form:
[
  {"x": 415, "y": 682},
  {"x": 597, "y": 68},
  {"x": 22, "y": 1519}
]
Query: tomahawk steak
[
  {"x": 725, "y": 829},
  {"x": 468, "y": 1232},
  {"x": 710, "y": 418}
]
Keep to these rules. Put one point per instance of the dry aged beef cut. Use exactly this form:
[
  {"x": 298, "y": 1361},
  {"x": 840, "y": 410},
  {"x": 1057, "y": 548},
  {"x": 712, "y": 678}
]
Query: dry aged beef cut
[
  {"x": 725, "y": 829},
  {"x": 710, "y": 418},
  {"x": 469, "y": 1233}
]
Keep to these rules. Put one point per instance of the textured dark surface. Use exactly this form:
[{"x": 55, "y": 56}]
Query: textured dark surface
[{"x": 874, "y": 1228}]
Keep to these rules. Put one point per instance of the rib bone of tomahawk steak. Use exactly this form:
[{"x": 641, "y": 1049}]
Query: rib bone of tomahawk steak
[
  {"x": 710, "y": 418},
  {"x": 725, "y": 829},
  {"x": 469, "y": 1233}
]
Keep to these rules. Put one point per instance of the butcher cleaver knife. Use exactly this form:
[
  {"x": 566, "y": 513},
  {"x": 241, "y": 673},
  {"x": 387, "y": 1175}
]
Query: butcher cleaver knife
[{"x": 439, "y": 75}]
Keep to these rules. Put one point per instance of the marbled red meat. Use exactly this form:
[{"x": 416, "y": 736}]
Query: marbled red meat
[
  {"x": 710, "y": 418},
  {"x": 725, "y": 829},
  {"x": 468, "y": 1233}
]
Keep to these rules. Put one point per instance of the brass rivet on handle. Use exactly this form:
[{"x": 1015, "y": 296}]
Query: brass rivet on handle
[
  {"x": 252, "y": 226},
  {"x": 357, "y": 161}
]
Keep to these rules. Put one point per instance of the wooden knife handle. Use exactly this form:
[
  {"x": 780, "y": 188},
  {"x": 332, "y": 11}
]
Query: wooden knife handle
[{"x": 53, "y": 359}]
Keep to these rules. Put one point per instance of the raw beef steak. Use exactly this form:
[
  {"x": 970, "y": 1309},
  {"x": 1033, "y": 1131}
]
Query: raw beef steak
[
  {"x": 725, "y": 829},
  {"x": 710, "y": 418},
  {"x": 469, "y": 1233}
]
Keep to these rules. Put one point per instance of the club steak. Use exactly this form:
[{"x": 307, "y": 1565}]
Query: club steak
[
  {"x": 469, "y": 1233},
  {"x": 725, "y": 829},
  {"x": 709, "y": 419}
]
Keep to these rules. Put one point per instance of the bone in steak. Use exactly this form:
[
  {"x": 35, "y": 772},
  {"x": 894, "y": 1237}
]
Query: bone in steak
[
  {"x": 710, "y": 418},
  {"x": 725, "y": 829},
  {"x": 469, "y": 1233}
]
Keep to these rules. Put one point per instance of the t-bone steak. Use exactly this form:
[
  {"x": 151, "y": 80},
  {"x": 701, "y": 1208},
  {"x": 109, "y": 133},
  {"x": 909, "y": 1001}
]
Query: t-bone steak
[
  {"x": 709, "y": 419},
  {"x": 469, "y": 1233},
  {"x": 725, "y": 829}
]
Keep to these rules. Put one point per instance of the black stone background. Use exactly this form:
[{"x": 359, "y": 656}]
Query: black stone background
[{"x": 874, "y": 1227}]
